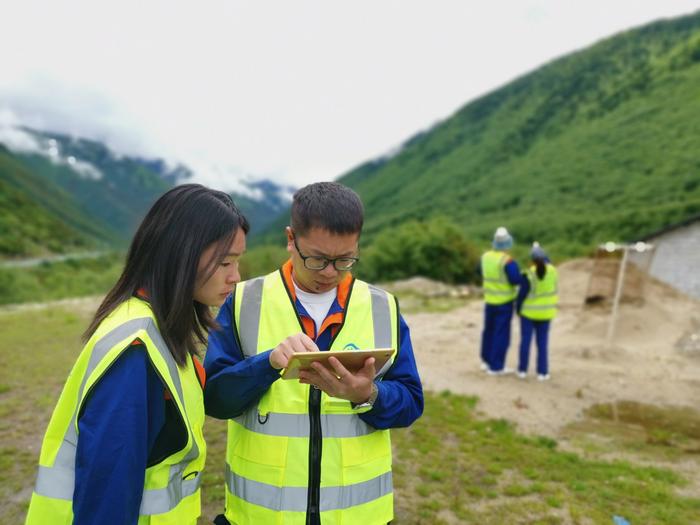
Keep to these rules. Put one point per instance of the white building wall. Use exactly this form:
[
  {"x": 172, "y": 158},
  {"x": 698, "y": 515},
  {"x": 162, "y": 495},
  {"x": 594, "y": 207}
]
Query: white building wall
[{"x": 676, "y": 259}]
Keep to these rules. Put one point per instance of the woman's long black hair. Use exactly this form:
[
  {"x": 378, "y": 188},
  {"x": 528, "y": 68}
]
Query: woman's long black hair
[
  {"x": 163, "y": 259},
  {"x": 540, "y": 268}
]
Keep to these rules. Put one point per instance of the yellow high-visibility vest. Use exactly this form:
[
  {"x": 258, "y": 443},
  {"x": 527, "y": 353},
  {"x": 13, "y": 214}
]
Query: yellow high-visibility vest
[
  {"x": 171, "y": 494},
  {"x": 497, "y": 289},
  {"x": 269, "y": 476},
  {"x": 541, "y": 302}
]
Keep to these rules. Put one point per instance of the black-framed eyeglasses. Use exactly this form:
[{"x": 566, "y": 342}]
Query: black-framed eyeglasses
[{"x": 317, "y": 262}]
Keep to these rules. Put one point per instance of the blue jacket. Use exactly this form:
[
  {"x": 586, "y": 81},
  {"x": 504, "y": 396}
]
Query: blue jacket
[
  {"x": 513, "y": 273},
  {"x": 522, "y": 293},
  {"x": 234, "y": 383},
  {"x": 121, "y": 427}
]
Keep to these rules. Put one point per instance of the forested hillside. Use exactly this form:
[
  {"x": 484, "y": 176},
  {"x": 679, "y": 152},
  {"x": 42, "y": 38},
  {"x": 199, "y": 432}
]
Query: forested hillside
[
  {"x": 37, "y": 217},
  {"x": 601, "y": 144}
]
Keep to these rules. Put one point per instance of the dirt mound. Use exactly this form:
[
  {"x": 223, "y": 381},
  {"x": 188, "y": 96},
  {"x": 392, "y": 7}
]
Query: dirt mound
[
  {"x": 689, "y": 343},
  {"x": 425, "y": 287}
]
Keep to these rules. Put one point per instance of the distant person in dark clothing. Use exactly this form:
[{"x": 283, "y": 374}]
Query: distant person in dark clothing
[
  {"x": 537, "y": 306},
  {"x": 501, "y": 276}
]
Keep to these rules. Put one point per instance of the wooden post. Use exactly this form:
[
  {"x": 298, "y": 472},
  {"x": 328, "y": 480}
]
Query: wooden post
[
  {"x": 618, "y": 294},
  {"x": 647, "y": 268}
]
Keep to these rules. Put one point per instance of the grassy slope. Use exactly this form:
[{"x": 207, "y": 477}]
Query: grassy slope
[
  {"x": 78, "y": 210},
  {"x": 60, "y": 280},
  {"x": 451, "y": 466},
  {"x": 115, "y": 203},
  {"x": 595, "y": 145},
  {"x": 35, "y": 216}
]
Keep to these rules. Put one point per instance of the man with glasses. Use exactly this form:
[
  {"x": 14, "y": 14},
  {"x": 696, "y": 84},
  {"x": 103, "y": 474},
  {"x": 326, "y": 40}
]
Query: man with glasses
[{"x": 315, "y": 450}]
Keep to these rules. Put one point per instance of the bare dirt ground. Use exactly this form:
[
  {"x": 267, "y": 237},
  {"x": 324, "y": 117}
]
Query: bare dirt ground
[
  {"x": 79, "y": 305},
  {"x": 643, "y": 364}
]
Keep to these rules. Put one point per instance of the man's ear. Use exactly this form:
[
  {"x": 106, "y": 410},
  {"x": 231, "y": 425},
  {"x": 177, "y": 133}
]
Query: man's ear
[{"x": 290, "y": 239}]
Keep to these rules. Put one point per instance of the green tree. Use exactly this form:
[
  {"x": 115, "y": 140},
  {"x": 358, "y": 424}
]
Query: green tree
[{"x": 436, "y": 249}]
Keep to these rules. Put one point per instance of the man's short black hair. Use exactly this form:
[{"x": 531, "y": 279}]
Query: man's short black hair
[{"x": 329, "y": 206}]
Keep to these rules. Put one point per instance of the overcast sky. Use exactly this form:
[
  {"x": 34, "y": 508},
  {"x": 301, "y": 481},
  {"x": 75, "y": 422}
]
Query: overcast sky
[{"x": 296, "y": 91}]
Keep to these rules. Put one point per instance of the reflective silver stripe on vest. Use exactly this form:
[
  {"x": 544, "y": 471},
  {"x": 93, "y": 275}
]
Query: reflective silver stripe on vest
[
  {"x": 157, "y": 501},
  {"x": 497, "y": 292},
  {"x": 383, "y": 327},
  {"x": 381, "y": 318},
  {"x": 548, "y": 294},
  {"x": 58, "y": 481},
  {"x": 539, "y": 307},
  {"x": 294, "y": 499},
  {"x": 249, "y": 323},
  {"x": 297, "y": 425}
]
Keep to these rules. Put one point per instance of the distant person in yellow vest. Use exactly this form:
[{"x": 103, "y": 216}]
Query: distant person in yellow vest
[
  {"x": 501, "y": 277},
  {"x": 124, "y": 445},
  {"x": 537, "y": 306},
  {"x": 314, "y": 451}
]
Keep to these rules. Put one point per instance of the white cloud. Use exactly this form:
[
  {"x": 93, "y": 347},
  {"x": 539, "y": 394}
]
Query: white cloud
[
  {"x": 297, "y": 91},
  {"x": 85, "y": 169},
  {"x": 13, "y": 137},
  {"x": 19, "y": 140}
]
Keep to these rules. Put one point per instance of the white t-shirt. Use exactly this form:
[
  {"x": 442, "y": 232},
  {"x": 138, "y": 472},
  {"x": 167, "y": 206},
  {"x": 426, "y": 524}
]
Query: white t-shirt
[{"x": 316, "y": 304}]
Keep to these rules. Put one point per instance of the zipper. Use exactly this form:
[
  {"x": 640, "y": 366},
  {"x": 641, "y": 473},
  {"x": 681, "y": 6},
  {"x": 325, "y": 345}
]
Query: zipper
[
  {"x": 313, "y": 511},
  {"x": 313, "y": 494},
  {"x": 313, "y": 498}
]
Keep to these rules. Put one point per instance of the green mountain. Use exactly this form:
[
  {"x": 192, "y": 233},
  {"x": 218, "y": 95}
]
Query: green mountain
[
  {"x": 29, "y": 227},
  {"x": 113, "y": 191},
  {"x": 69, "y": 194},
  {"x": 598, "y": 145},
  {"x": 601, "y": 144},
  {"x": 265, "y": 201}
]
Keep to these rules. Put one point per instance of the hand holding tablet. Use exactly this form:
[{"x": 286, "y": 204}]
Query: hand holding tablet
[
  {"x": 283, "y": 352},
  {"x": 352, "y": 360}
]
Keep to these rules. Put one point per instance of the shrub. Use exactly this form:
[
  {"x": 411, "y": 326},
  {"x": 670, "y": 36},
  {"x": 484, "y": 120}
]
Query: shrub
[
  {"x": 436, "y": 249},
  {"x": 262, "y": 260}
]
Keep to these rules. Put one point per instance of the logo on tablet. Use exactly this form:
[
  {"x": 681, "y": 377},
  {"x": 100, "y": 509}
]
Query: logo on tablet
[{"x": 351, "y": 346}]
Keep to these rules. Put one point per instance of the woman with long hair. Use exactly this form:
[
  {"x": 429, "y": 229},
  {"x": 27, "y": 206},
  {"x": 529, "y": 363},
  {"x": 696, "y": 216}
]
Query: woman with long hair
[
  {"x": 537, "y": 305},
  {"x": 124, "y": 444}
]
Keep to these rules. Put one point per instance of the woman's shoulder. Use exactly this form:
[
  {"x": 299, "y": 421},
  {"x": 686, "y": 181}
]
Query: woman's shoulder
[
  {"x": 128, "y": 318},
  {"x": 130, "y": 373}
]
